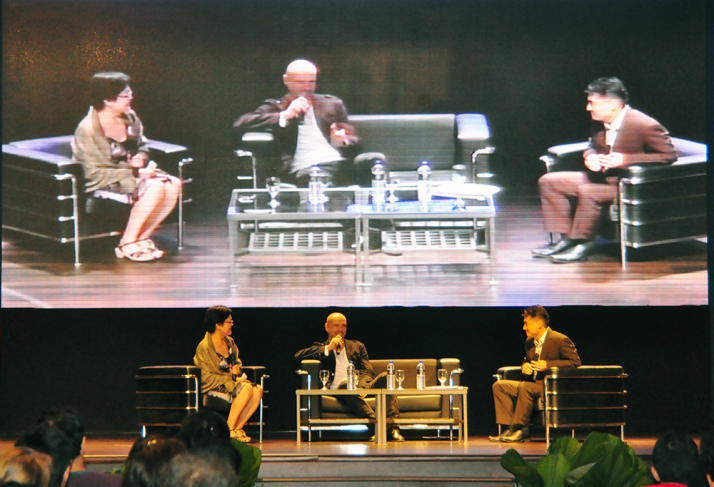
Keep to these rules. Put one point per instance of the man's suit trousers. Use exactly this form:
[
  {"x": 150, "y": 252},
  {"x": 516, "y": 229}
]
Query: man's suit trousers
[
  {"x": 514, "y": 401},
  {"x": 358, "y": 405},
  {"x": 557, "y": 189}
]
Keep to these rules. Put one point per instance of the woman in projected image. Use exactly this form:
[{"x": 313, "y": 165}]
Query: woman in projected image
[
  {"x": 110, "y": 145},
  {"x": 223, "y": 384}
]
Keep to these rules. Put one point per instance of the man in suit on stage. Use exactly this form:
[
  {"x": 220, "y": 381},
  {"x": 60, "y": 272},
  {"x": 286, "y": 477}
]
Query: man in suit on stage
[
  {"x": 622, "y": 137},
  {"x": 335, "y": 354},
  {"x": 545, "y": 348},
  {"x": 309, "y": 129}
]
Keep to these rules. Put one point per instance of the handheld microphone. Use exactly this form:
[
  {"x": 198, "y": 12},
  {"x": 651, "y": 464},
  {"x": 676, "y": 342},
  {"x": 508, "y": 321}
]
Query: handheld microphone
[
  {"x": 339, "y": 346},
  {"x": 535, "y": 359},
  {"x": 232, "y": 362}
]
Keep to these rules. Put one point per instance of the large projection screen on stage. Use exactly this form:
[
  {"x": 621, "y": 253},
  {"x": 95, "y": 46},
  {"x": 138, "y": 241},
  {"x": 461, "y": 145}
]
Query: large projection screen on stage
[{"x": 197, "y": 66}]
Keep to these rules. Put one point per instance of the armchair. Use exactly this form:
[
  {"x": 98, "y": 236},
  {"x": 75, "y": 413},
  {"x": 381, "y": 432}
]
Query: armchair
[
  {"x": 590, "y": 396},
  {"x": 167, "y": 394},
  {"x": 43, "y": 192},
  {"x": 658, "y": 203}
]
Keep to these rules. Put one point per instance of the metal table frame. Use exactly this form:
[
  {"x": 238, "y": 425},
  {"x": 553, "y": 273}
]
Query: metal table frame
[
  {"x": 380, "y": 433},
  {"x": 238, "y": 238},
  {"x": 381, "y": 410}
]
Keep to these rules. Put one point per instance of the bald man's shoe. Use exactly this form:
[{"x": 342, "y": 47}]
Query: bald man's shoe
[
  {"x": 520, "y": 436},
  {"x": 499, "y": 438}
]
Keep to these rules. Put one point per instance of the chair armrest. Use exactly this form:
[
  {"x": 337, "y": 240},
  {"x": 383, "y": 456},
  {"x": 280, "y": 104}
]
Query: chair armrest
[
  {"x": 587, "y": 371},
  {"x": 509, "y": 373},
  {"x": 255, "y": 373},
  {"x": 565, "y": 157}
]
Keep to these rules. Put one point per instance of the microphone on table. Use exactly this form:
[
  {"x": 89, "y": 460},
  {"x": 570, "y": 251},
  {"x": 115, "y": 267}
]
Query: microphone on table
[{"x": 535, "y": 359}]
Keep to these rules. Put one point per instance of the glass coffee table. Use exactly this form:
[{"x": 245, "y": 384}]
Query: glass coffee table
[{"x": 460, "y": 217}]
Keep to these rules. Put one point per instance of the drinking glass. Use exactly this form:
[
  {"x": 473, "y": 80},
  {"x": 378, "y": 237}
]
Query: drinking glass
[
  {"x": 441, "y": 374},
  {"x": 392, "y": 187},
  {"x": 324, "y": 375},
  {"x": 399, "y": 375},
  {"x": 273, "y": 185}
]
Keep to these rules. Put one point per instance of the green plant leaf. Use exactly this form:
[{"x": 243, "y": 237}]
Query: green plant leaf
[
  {"x": 575, "y": 475},
  {"x": 566, "y": 446},
  {"x": 594, "y": 449},
  {"x": 525, "y": 473},
  {"x": 251, "y": 458},
  {"x": 553, "y": 468}
]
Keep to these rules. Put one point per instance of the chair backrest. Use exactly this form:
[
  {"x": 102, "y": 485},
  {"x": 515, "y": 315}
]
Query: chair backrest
[
  {"x": 407, "y": 140},
  {"x": 60, "y": 146}
]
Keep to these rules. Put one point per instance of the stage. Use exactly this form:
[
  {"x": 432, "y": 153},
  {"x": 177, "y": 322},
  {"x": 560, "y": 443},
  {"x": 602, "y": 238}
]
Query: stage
[
  {"x": 437, "y": 462},
  {"x": 204, "y": 273}
]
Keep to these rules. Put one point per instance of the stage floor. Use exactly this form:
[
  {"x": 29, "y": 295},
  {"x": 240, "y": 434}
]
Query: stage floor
[
  {"x": 204, "y": 273},
  {"x": 113, "y": 449}
]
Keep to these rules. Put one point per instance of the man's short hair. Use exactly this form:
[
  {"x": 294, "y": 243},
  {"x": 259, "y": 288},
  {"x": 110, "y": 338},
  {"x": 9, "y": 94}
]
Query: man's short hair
[
  {"x": 675, "y": 458},
  {"x": 198, "y": 470},
  {"x": 609, "y": 87},
  {"x": 538, "y": 312},
  {"x": 147, "y": 459},
  {"x": 70, "y": 422},
  {"x": 203, "y": 427},
  {"x": 47, "y": 438}
]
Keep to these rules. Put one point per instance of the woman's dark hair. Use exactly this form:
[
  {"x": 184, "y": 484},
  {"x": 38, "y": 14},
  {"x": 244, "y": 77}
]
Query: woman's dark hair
[
  {"x": 47, "y": 438},
  {"x": 222, "y": 448},
  {"x": 146, "y": 459},
  {"x": 215, "y": 315},
  {"x": 107, "y": 86},
  {"x": 202, "y": 469},
  {"x": 70, "y": 422},
  {"x": 202, "y": 427}
]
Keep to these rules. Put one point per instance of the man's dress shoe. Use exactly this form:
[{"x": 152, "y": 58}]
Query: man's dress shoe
[
  {"x": 395, "y": 436},
  {"x": 506, "y": 432},
  {"x": 580, "y": 252},
  {"x": 561, "y": 246},
  {"x": 519, "y": 436}
]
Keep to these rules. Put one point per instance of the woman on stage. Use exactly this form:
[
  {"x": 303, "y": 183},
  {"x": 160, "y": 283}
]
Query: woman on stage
[
  {"x": 223, "y": 384},
  {"x": 110, "y": 144}
]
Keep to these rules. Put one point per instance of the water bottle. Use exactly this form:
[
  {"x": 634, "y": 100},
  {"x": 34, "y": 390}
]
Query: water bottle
[
  {"x": 316, "y": 188},
  {"x": 390, "y": 376},
  {"x": 424, "y": 184},
  {"x": 378, "y": 184},
  {"x": 351, "y": 377},
  {"x": 421, "y": 376}
]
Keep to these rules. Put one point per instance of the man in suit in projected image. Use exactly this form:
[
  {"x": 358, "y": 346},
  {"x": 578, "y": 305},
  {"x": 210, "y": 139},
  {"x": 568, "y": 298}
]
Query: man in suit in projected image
[
  {"x": 309, "y": 129},
  {"x": 514, "y": 400},
  {"x": 335, "y": 354},
  {"x": 622, "y": 137}
]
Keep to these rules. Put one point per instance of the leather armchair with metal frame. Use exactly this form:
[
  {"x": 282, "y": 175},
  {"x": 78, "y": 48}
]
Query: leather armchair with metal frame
[
  {"x": 44, "y": 197},
  {"x": 589, "y": 396},
  {"x": 657, "y": 203},
  {"x": 166, "y": 394}
]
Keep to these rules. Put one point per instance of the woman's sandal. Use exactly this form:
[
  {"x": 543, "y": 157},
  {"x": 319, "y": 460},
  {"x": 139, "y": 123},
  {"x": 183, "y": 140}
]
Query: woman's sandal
[
  {"x": 240, "y": 436},
  {"x": 149, "y": 245},
  {"x": 135, "y": 252}
]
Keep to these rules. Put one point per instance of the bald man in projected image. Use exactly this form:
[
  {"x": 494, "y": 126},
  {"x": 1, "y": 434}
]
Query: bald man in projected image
[
  {"x": 310, "y": 129},
  {"x": 335, "y": 354}
]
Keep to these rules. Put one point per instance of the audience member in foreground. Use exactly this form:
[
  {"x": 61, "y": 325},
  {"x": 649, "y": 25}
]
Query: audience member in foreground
[
  {"x": 514, "y": 400},
  {"x": 706, "y": 455},
  {"x": 71, "y": 423},
  {"x": 223, "y": 383},
  {"x": 24, "y": 466},
  {"x": 675, "y": 461},
  {"x": 146, "y": 460},
  {"x": 203, "y": 427},
  {"x": 201, "y": 469},
  {"x": 47, "y": 438}
]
